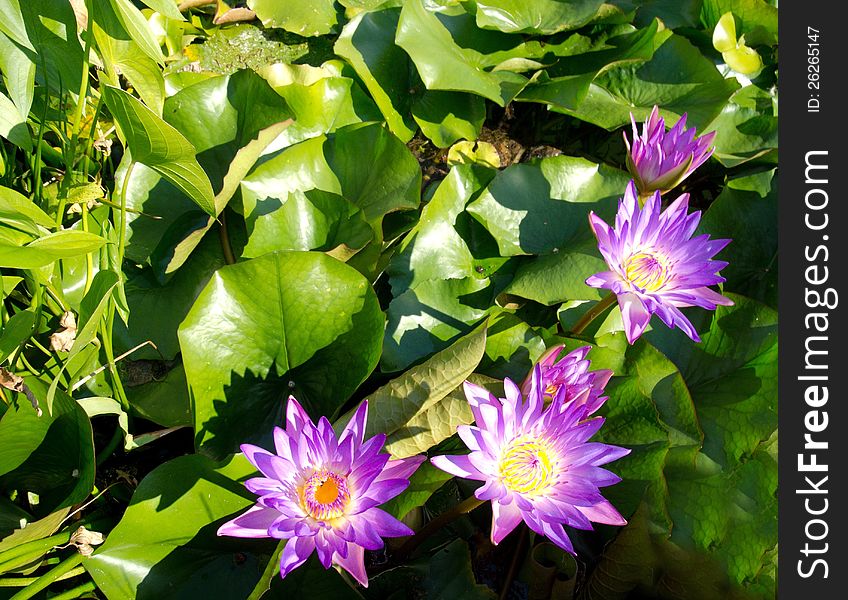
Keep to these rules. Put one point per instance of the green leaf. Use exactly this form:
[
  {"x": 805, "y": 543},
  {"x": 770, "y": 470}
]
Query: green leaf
[
  {"x": 21, "y": 212},
  {"x": 51, "y": 455},
  {"x": 445, "y": 117},
  {"x": 732, "y": 375},
  {"x": 18, "y": 74},
  {"x": 95, "y": 406},
  {"x": 372, "y": 171},
  {"x": 541, "y": 208},
  {"x": 422, "y": 483},
  {"x": 141, "y": 71},
  {"x": 565, "y": 84},
  {"x": 136, "y": 26},
  {"x": 12, "y": 22},
  {"x": 164, "y": 401},
  {"x": 303, "y": 17},
  {"x": 282, "y": 310},
  {"x": 92, "y": 308},
  {"x": 311, "y": 580},
  {"x": 241, "y": 105},
  {"x": 555, "y": 278},
  {"x": 13, "y": 126},
  {"x": 248, "y": 114},
  {"x": 167, "y": 8},
  {"x": 52, "y": 32},
  {"x": 757, "y": 19},
  {"x": 678, "y": 78},
  {"x": 448, "y": 575},
  {"x": 367, "y": 42},
  {"x": 512, "y": 348},
  {"x": 434, "y": 249},
  {"x": 535, "y": 16},
  {"x": 700, "y": 429},
  {"x": 156, "y": 309},
  {"x": 16, "y": 331},
  {"x": 438, "y": 293},
  {"x": 750, "y": 220},
  {"x": 32, "y": 531},
  {"x": 46, "y": 249},
  {"x": 166, "y": 542},
  {"x": 673, "y": 13},
  {"x": 443, "y": 64},
  {"x": 746, "y": 129},
  {"x": 418, "y": 409},
  {"x": 159, "y": 146},
  {"x": 385, "y": 180},
  {"x": 320, "y": 99},
  {"x": 428, "y": 317}
]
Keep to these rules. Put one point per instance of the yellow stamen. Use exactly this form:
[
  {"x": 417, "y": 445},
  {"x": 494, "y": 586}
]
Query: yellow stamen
[
  {"x": 646, "y": 271},
  {"x": 526, "y": 466}
]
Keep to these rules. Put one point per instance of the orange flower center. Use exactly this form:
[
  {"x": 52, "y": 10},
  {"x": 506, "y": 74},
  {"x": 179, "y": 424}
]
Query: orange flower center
[{"x": 324, "y": 496}]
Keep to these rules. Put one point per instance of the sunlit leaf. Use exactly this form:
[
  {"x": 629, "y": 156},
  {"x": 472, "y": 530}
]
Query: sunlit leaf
[
  {"x": 166, "y": 542},
  {"x": 160, "y": 147},
  {"x": 276, "y": 312}
]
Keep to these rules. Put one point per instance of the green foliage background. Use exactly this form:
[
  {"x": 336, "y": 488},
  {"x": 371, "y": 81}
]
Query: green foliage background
[{"x": 366, "y": 199}]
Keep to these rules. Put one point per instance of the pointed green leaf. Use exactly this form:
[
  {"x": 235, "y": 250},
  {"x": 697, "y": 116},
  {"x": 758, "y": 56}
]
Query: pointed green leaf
[
  {"x": 420, "y": 408},
  {"x": 159, "y": 146},
  {"x": 136, "y": 26},
  {"x": 12, "y": 22},
  {"x": 13, "y": 126},
  {"x": 46, "y": 249}
]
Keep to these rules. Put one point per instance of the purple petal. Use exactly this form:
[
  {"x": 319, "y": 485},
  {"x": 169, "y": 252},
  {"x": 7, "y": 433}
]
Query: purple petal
[
  {"x": 295, "y": 553},
  {"x": 603, "y": 512},
  {"x": 458, "y": 465},
  {"x": 284, "y": 445},
  {"x": 274, "y": 467},
  {"x": 491, "y": 490},
  {"x": 356, "y": 426},
  {"x": 263, "y": 485},
  {"x": 254, "y": 523},
  {"x": 557, "y": 535},
  {"x": 381, "y": 491},
  {"x": 364, "y": 531},
  {"x": 354, "y": 563},
  {"x": 505, "y": 517},
  {"x": 324, "y": 548},
  {"x": 296, "y": 417},
  {"x": 385, "y": 524},
  {"x": 634, "y": 316},
  {"x": 400, "y": 468}
]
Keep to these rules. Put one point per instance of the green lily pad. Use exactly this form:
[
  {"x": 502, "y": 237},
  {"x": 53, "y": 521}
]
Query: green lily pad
[{"x": 282, "y": 311}]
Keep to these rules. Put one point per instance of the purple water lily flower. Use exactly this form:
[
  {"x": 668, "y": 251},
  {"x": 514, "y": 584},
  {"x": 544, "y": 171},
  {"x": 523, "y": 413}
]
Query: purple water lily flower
[
  {"x": 655, "y": 268},
  {"x": 660, "y": 160},
  {"x": 321, "y": 492},
  {"x": 569, "y": 379},
  {"x": 536, "y": 462}
]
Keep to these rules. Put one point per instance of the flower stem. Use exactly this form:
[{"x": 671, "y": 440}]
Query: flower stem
[
  {"x": 223, "y": 234},
  {"x": 517, "y": 557},
  {"x": 49, "y": 577},
  {"x": 600, "y": 306},
  {"x": 464, "y": 507},
  {"x": 76, "y": 592}
]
